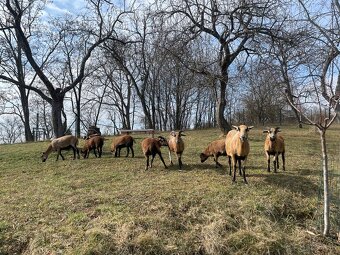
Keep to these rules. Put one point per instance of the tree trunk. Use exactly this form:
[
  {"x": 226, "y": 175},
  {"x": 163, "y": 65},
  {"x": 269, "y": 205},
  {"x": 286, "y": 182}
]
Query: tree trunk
[
  {"x": 57, "y": 107},
  {"x": 220, "y": 107},
  {"x": 326, "y": 212},
  {"x": 26, "y": 115}
]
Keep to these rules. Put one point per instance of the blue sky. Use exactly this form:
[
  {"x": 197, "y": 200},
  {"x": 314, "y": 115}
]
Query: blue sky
[{"x": 61, "y": 7}]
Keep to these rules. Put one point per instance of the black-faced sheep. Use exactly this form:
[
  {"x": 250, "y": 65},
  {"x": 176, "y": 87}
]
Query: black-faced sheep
[
  {"x": 94, "y": 143},
  {"x": 274, "y": 145},
  {"x": 237, "y": 149},
  {"x": 176, "y": 145},
  {"x": 214, "y": 149},
  {"x": 151, "y": 147},
  {"x": 120, "y": 142},
  {"x": 62, "y": 143}
]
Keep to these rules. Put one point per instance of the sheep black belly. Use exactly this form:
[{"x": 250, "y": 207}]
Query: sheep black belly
[{"x": 240, "y": 157}]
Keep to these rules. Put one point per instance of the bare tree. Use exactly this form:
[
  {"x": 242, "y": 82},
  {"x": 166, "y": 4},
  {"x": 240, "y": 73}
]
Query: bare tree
[
  {"x": 102, "y": 30},
  {"x": 326, "y": 42},
  {"x": 232, "y": 25}
]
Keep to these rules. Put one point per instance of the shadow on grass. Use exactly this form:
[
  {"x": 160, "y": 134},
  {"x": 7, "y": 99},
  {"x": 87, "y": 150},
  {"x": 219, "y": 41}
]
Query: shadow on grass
[
  {"x": 294, "y": 182},
  {"x": 198, "y": 167}
]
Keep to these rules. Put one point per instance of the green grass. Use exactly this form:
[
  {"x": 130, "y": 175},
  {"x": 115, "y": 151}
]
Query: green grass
[{"x": 112, "y": 206}]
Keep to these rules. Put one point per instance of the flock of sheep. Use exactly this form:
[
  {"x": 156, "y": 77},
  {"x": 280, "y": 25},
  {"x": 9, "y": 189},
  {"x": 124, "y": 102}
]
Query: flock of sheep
[{"x": 235, "y": 146}]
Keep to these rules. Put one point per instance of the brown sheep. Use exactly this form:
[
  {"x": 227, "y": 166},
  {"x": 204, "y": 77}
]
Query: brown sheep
[
  {"x": 176, "y": 145},
  {"x": 274, "y": 145},
  {"x": 62, "y": 143},
  {"x": 94, "y": 143},
  {"x": 214, "y": 149},
  {"x": 237, "y": 149},
  {"x": 121, "y": 142},
  {"x": 152, "y": 146}
]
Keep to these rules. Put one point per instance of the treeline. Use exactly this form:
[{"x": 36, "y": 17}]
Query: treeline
[{"x": 164, "y": 65}]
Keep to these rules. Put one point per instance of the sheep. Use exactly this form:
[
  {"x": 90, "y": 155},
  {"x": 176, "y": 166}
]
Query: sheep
[
  {"x": 62, "y": 143},
  {"x": 274, "y": 145},
  {"x": 214, "y": 149},
  {"x": 121, "y": 142},
  {"x": 94, "y": 143},
  {"x": 176, "y": 145},
  {"x": 237, "y": 149},
  {"x": 152, "y": 146}
]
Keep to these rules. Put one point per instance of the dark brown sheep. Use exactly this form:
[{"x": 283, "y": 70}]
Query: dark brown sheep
[
  {"x": 151, "y": 147},
  {"x": 94, "y": 143},
  {"x": 120, "y": 142},
  {"x": 214, "y": 149}
]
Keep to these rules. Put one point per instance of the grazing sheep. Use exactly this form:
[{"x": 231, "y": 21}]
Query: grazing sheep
[
  {"x": 121, "y": 142},
  {"x": 214, "y": 149},
  {"x": 62, "y": 143},
  {"x": 237, "y": 149},
  {"x": 176, "y": 145},
  {"x": 152, "y": 146},
  {"x": 94, "y": 143},
  {"x": 274, "y": 145}
]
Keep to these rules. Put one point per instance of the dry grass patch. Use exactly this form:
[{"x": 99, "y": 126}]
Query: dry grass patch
[{"x": 112, "y": 206}]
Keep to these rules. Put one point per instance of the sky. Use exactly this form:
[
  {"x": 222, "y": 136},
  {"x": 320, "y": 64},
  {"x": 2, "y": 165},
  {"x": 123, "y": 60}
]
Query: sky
[{"x": 62, "y": 7}]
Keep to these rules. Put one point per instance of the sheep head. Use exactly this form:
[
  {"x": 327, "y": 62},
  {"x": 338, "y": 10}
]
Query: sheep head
[
  {"x": 272, "y": 132},
  {"x": 44, "y": 156},
  {"x": 162, "y": 141},
  {"x": 243, "y": 131},
  {"x": 177, "y": 135},
  {"x": 203, "y": 157}
]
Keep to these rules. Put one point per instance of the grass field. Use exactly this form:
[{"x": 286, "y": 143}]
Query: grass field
[{"x": 112, "y": 206}]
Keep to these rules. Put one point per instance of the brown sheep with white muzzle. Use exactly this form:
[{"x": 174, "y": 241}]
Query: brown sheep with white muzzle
[
  {"x": 274, "y": 145},
  {"x": 215, "y": 149},
  {"x": 237, "y": 149},
  {"x": 176, "y": 145}
]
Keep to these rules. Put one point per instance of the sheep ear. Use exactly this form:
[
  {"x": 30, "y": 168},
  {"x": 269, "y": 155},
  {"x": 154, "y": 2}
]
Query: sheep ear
[
  {"x": 265, "y": 131},
  {"x": 278, "y": 129},
  {"x": 181, "y": 133},
  {"x": 250, "y": 127},
  {"x": 173, "y": 133},
  {"x": 236, "y": 127}
]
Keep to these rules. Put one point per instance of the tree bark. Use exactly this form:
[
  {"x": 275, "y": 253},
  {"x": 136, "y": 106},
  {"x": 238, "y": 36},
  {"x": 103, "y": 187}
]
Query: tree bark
[{"x": 326, "y": 211}]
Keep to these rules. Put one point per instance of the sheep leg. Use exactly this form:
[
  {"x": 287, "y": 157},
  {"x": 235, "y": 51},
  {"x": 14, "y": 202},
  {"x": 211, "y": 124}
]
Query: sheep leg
[
  {"x": 275, "y": 162},
  {"x": 127, "y": 151},
  {"x": 283, "y": 162},
  {"x": 100, "y": 151},
  {"x": 147, "y": 163},
  {"x": 243, "y": 169},
  {"x": 59, "y": 153},
  {"x": 268, "y": 161},
  {"x": 133, "y": 154},
  {"x": 74, "y": 153},
  {"x": 77, "y": 150},
  {"x": 160, "y": 155},
  {"x": 234, "y": 167},
  {"x": 229, "y": 162},
  {"x": 179, "y": 157},
  {"x": 217, "y": 163},
  {"x": 95, "y": 152},
  {"x": 170, "y": 158},
  {"x": 152, "y": 158}
]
